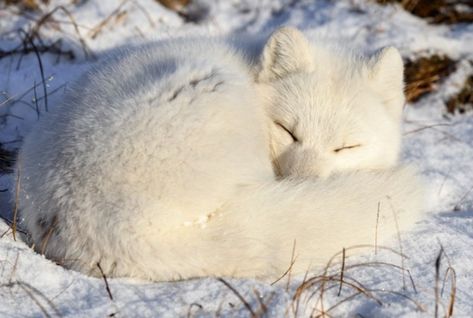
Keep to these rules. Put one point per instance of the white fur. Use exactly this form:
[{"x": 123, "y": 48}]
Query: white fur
[
  {"x": 158, "y": 166},
  {"x": 334, "y": 98}
]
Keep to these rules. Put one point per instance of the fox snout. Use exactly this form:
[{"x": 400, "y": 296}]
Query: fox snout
[{"x": 303, "y": 163}]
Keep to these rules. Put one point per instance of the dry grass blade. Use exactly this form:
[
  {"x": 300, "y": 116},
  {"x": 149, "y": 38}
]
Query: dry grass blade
[
  {"x": 354, "y": 284},
  {"x": 317, "y": 284},
  {"x": 453, "y": 290},
  {"x": 145, "y": 12},
  {"x": 14, "y": 268},
  {"x": 330, "y": 262},
  {"x": 376, "y": 264},
  {"x": 398, "y": 232},
  {"x": 295, "y": 305},
  {"x": 418, "y": 305},
  {"x": 27, "y": 38},
  {"x": 53, "y": 48},
  {"x": 437, "y": 280},
  {"x": 10, "y": 224},
  {"x": 321, "y": 281},
  {"x": 98, "y": 28},
  {"x": 239, "y": 296},
  {"x": 344, "y": 300},
  {"x": 342, "y": 272},
  {"x": 263, "y": 308},
  {"x": 426, "y": 127},
  {"x": 310, "y": 282},
  {"x": 288, "y": 271},
  {"x": 193, "y": 305},
  {"x": 36, "y": 301},
  {"x": 48, "y": 16},
  {"x": 457, "y": 206},
  {"x": 107, "y": 287},
  {"x": 453, "y": 287},
  {"x": 32, "y": 292}
]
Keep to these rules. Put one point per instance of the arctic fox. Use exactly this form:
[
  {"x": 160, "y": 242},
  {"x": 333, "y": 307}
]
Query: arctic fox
[{"x": 160, "y": 163}]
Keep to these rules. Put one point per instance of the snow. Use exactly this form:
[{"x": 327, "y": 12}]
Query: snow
[{"x": 440, "y": 145}]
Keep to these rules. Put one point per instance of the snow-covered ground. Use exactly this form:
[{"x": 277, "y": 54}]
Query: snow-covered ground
[{"x": 383, "y": 285}]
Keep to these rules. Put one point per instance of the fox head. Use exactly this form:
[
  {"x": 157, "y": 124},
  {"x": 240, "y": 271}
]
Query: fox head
[{"x": 330, "y": 110}]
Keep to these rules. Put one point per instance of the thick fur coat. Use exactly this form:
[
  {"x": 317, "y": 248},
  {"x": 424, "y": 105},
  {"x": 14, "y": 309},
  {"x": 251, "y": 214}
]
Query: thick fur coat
[{"x": 182, "y": 159}]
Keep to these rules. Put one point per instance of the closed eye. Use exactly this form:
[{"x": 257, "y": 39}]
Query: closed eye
[
  {"x": 294, "y": 138},
  {"x": 346, "y": 147}
]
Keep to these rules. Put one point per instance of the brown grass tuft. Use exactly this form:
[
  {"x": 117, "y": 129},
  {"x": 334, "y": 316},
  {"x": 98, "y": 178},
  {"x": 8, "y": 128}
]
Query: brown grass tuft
[
  {"x": 175, "y": 5},
  {"x": 30, "y": 5},
  {"x": 463, "y": 101},
  {"x": 438, "y": 11},
  {"x": 423, "y": 75}
]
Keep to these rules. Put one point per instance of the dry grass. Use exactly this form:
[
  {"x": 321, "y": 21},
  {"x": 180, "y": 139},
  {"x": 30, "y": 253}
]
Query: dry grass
[
  {"x": 438, "y": 11},
  {"x": 424, "y": 74},
  {"x": 463, "y": 101},
  {"x": 30, "y": 5},
  {"x": 175, "y": 5},
  {"x": 309, "y": 297}
]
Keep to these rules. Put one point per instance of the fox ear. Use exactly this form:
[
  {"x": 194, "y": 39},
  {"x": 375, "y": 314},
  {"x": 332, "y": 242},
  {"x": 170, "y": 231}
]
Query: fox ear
[
  {"x": 287, "y": 51},
  {"x": 387, "y": 75}
]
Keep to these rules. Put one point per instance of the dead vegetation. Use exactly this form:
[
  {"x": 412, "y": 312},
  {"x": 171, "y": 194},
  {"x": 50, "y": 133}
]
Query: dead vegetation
[
  {"x": 175, "y": 5},
  {"x": 463, "y": 101},
  {"x": 338, "y": 282},
  {"x": 30, "y": 5},
  {"x": 438, "y": 11},
  {"x": 423, "y": 75}
]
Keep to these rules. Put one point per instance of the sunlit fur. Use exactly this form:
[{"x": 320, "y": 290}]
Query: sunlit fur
[{"x": 157, "y": 166}]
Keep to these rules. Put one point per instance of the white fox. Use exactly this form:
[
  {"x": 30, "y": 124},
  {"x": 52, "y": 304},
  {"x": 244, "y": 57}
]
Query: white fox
[{"x": 162, "y": 163}]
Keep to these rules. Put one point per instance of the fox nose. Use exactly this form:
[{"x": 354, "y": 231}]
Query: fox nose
[{"x": 303, "y": 163}]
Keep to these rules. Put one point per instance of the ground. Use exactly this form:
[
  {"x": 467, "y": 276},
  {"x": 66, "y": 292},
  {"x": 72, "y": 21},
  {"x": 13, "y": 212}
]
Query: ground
[{"x": 45, "y": 47}]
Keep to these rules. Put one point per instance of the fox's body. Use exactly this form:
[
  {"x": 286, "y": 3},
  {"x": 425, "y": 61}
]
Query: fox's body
[{"x": 164, "y": 163}]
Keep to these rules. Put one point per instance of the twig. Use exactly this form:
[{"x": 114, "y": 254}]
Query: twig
[
  {"x": 342, "y": 272},
  {"x": 240, "y": 297},
  {"x": 107, "y": 287}
]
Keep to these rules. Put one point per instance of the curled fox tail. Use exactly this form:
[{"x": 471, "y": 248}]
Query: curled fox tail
[{"x": 253, "y": 234}]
